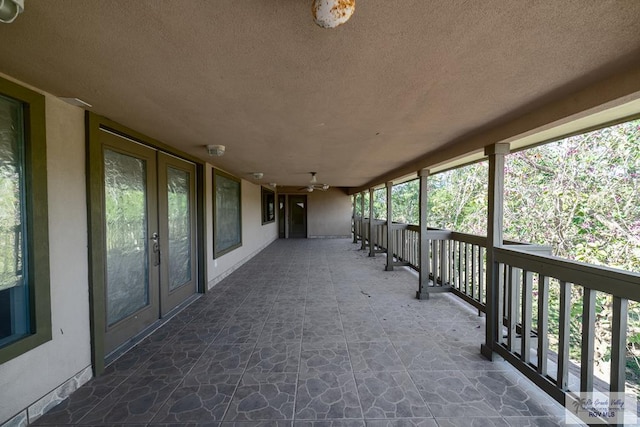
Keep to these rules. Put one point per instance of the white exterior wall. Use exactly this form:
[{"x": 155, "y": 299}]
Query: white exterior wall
[
  {"x": 31, "y": 377},
  {"x": 255, "y": 236}
]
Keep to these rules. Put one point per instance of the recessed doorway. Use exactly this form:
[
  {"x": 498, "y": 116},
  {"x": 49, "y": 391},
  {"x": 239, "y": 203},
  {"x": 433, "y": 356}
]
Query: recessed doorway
[{"x": 298, "y": 217}]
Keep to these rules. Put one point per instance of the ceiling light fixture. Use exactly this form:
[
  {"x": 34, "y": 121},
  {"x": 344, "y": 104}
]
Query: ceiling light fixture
[
  {"x": 313, "y": 185},
  {"x": 331, "y": 13},
  {"x": 10, "y": 9},
  {"x": 215, "y": 150},
  {"x": 273, "y": 184},
  {"x": 258, "y": 175}
]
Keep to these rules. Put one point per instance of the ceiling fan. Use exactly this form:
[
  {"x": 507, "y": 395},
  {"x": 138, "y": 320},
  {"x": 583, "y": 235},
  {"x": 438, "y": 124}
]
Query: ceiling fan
[{"x": 313, "y": 184}]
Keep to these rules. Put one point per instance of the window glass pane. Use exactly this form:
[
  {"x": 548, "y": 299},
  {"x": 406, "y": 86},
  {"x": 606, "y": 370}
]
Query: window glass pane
[
  {"x": 126, "y": 234},
  {"x": 178, "y": 188},
  {"x": 14, "y": 301}
]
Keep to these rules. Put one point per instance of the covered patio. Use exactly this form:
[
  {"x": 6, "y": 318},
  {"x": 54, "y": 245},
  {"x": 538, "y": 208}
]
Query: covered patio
[{"x": 313, "y": 332}]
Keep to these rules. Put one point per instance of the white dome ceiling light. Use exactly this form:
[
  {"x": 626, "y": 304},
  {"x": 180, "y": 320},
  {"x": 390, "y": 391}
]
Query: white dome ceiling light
[
  {"x": 331, "y": 13},
  {"x": 10, "y": 9}
]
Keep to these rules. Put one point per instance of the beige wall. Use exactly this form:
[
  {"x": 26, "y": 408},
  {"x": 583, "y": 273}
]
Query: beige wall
[
  {"x": 329, "y": 214},
  {"x": 255, "y": 236},
  {"x": 29, "y": 377}
]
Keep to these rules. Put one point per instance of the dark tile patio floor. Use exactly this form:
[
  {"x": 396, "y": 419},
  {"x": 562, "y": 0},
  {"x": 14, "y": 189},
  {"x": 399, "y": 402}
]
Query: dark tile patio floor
[{"x": 312, "y": 333}]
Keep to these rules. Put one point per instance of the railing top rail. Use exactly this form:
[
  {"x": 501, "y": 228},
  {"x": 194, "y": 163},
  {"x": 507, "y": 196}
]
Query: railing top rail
[
  {"x": 439, "y": 234},
  {"x": 620, "y": 283},
  {"x": 469, "y": 238},
  {"x": 399, "y": 226}
]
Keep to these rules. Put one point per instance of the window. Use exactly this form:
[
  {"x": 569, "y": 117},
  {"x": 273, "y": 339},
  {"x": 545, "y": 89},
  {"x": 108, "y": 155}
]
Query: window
[
  {"x": 25, "y": 314},
  {"x": 268, "y": 206},
  {"x": 227, "y": 213}
]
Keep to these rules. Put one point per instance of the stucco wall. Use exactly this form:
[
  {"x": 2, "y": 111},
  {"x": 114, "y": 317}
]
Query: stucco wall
[
  {"x": 329, "y": 214},
  {"x": 255, "y": 236},
  {"x": 29, "y": 377}
]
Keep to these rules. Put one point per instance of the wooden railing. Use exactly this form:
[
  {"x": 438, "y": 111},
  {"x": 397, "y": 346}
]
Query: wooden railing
[
  {"x": 457, "y": 260},
  {"x": 526, "y": 274},
  {"x": 526, "y": 282}
]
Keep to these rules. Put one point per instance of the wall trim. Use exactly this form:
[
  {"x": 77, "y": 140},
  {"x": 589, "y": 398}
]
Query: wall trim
[{"x": 37, "y": 409}]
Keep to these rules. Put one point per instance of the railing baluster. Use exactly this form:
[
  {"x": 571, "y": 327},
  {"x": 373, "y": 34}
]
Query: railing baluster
[
  {"x": 501, "y": 297},
  {"x": 460, "y": 264},
  {"x": 543, "y": 323},
  {"x": 414, "y": 248},
  {"x": 473, "y": 271},
  {"x": 452, "y": 263},
  {"x": 527, "y": 314},
  {"x": 434, "y": 261},
  {"x": 588, "y": 339},
  {"x": 443, "y": 255},
  {"x": 563, "y": 344},
  {"x": 467, "y": 268},
  {"x": 481, "y": 276},
  {"x": 443, "y": 262},
  {"x": 619, "y": 344},
  {"x": 512, "y": 309}
]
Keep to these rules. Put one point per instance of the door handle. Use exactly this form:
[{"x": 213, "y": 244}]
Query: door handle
[{"x": 156, "y": 249}]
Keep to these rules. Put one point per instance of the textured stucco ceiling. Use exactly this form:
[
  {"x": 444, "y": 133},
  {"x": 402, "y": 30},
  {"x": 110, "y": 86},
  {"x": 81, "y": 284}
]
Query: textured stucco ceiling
[{"x": 399, "y": 80}]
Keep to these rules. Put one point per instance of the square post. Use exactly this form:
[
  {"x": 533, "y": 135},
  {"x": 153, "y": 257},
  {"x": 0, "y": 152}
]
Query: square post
[
  {"x": 389, "y": 266},
  {"x": 355, "y": 231},
  {"x": 495, "y": 219},
  {"x": 372, "y": 246},
  {"x": 423, "y": 281}
]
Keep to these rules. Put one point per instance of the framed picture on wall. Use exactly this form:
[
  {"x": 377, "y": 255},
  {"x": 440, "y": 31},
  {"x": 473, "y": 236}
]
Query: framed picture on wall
[
  {"x": 268, "y": 206},
  {"x": 227, "y": 213}
]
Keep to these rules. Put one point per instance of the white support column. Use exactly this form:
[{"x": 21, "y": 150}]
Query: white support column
[
  {"x": 495, "y": 238},
  {"x": 355, "y": 235},
  {"x": 423, "y": 281},
  {"x": 363, "y": 243},
  {"x": 372, "y": 246},
  {"x": 389, "y": 266}
]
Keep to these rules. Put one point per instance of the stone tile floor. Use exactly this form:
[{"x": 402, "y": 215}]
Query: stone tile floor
[{"x": 312, "y": 333}]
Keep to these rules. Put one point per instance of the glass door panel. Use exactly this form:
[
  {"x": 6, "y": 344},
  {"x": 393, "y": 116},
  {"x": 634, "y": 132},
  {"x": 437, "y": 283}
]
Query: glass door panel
[
  {"x": 131, "y": 225},
  {"x": 176, "y": 184},
  {"x": 179, "y": 227},
  {"x": 125, "y": 189}
]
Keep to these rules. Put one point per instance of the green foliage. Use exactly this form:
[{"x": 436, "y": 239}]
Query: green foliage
[
  {"x": 457, "y": 199},
  {"x": 406, "y": 206}
]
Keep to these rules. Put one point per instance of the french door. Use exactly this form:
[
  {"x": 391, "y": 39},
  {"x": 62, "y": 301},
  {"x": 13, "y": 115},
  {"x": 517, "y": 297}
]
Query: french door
[{"x": 149, "y": 229}]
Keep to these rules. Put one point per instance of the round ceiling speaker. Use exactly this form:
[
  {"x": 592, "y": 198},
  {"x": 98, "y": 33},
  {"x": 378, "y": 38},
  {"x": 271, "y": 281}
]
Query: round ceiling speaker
[{"x": 331, "y": 13}]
